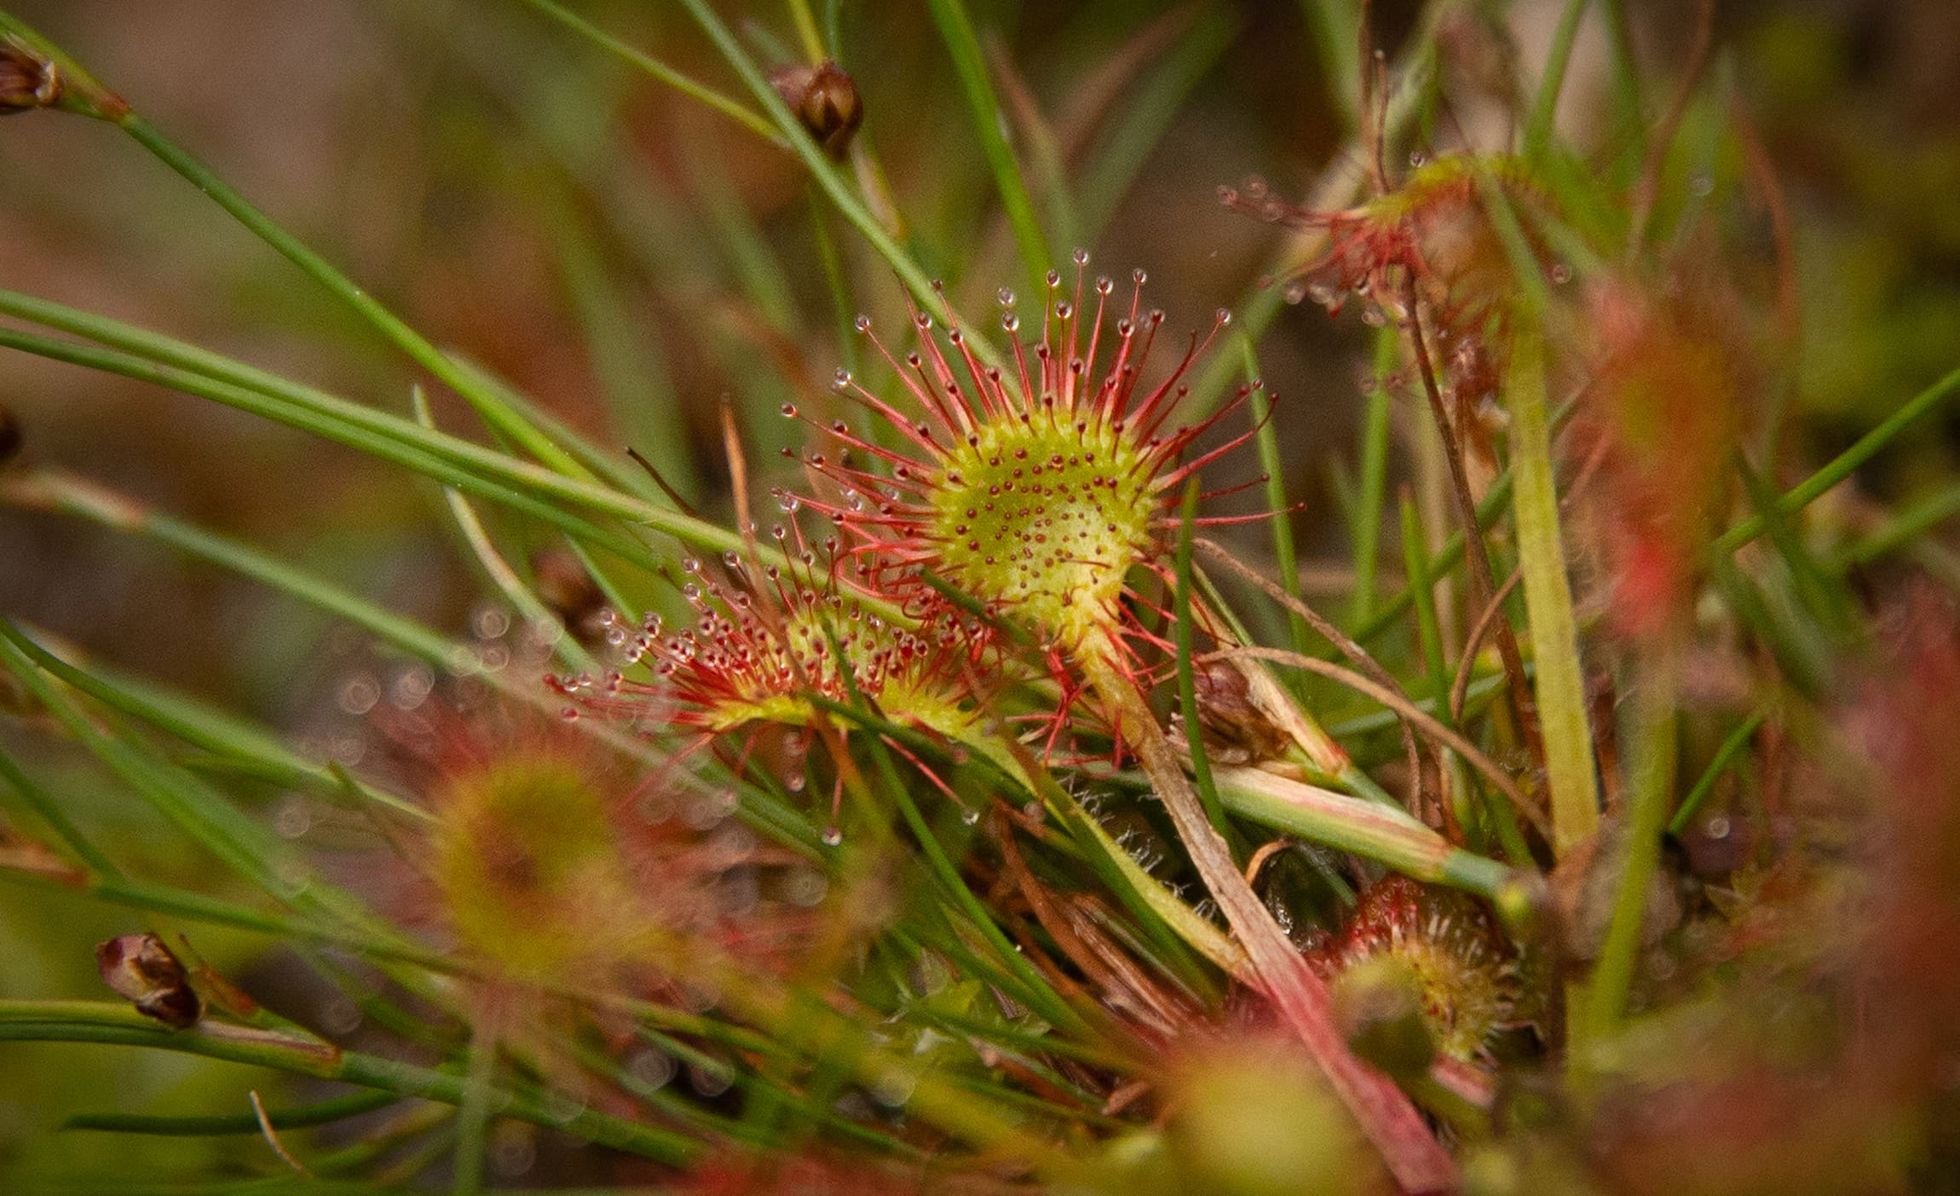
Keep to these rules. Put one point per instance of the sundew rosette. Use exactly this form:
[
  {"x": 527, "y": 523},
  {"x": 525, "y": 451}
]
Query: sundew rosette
[
  {"x": 771, "y": 645},
  {"x": 543, "y": 863},
  {"x": 1036, "y": 489},
  {"x": 1465, "y": 975},
  {"x": 1431, "y": 233}
]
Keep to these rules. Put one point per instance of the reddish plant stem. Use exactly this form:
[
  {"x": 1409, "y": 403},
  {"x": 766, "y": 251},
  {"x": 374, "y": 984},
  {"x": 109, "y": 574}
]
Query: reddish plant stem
[
  {"x": 1384, "y": 1113},
  {"x": 1473, "y": 541}
]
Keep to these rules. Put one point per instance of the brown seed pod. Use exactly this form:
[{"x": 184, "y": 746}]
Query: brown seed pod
[
  {"x": 565, "y": 586},
  {"x": 27, "y": 80},
  {"x": 141, "y": 968},
  {"x": 1234, "y": 723},
  {"x": 825, "y": 99}
]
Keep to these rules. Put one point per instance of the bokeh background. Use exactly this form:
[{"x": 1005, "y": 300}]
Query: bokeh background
[{"x": 632, "y": 260}]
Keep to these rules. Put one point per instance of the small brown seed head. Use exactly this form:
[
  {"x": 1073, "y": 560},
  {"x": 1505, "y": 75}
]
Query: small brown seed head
[
  {"x": 141, "y": 968},
  {"x": 10, "y": 435},
  {"x": 27, "y": 80},
  {"x": 825, "y": 99}
]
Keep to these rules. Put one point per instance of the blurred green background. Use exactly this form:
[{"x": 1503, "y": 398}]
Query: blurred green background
[{"x": 630, "y": 259}]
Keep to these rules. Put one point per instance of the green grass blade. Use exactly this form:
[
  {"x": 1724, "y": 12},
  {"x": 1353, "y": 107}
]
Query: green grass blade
[
  {"x": 693, "y": 89},
  {"x": 990, "y": 129},
  {"x": 1544, "y": 104},
  {"x": 1843, "y": 465},
  {"x": 1557, "y": 680}
]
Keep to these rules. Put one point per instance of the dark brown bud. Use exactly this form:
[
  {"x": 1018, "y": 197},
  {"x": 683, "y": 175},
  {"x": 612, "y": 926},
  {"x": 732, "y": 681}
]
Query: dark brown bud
[
  {"x": 564, "y": 585},
  {"x": 10, "y": 437},
  {"x": 825, "y": 99},
  {"x": 27, "y": 80},
  {"x": 142, "y": 969},
  {"x": 1231, "y": 720}
]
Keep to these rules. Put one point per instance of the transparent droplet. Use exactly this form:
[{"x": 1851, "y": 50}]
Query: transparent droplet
[
  {"x": 710, "y": 1079},
  {"x": 651, "y": 1069},
  {"x": 293, "y": 818},
  {"x": 491, "y": 622},
  {"x": 805, "y": 887},
  {"x": 513, "y": 1149},
  {"x": 358, "y": 694}
]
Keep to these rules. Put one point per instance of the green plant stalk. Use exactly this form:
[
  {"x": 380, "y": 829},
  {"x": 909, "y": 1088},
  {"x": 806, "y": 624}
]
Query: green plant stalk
[
  {"x": 1336, "y": 30},
  {"x": 1036, "y": 991},
  {"x": 1383, "y": 1113},
  {"x": 1544, "y": 105},
  {"x": 245, "y": 846},
  {"x": 324, "y": 1112},
  {"x": 72, "y": 497},
  {"x": 1373, "y": 498},
  {"x": 752, "y": 997},
  {"x": 213, "y": 731},
  {"x": 1792, "y": 501},
  {"x": 102, "y": 1022},
  {"x": 989, "y": 126},
  {"x": 1429, "y": 634},
  {"x": 1557, "y": 680},
  {"x": 1360, "y": 827},
  {"x": 154, "y": 346},
  {"x": 1187, "y": 688},
  {"x": 1149, "y": 107},
  {"x": 1143, "y": 893},
  {"x": 530, "y": 608},
  {"x": 1731, "y": 747},
  {"x": 1650, "y": 787},
  {"x": 1904, "y": 528},
  {"x": 473, "y": 1115},
  {"x": 151, "y": 357},
  {"x": 50, "y": 812},
  {"x": 692, "y": 88},
  {"x": 1275, "y": 469},
  {"x": 447, "y": 459},
  {"x": 487, "y": 404},
  {"x": 1841, "y": 466},
  {"x": 828, "y": 180}
]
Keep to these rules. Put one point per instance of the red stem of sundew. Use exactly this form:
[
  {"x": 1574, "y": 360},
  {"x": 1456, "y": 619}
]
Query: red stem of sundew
[{"x": 1385, "y": 1114}]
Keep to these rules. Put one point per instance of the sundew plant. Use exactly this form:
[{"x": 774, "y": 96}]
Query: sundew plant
[{"x": 971, "y": 597}]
